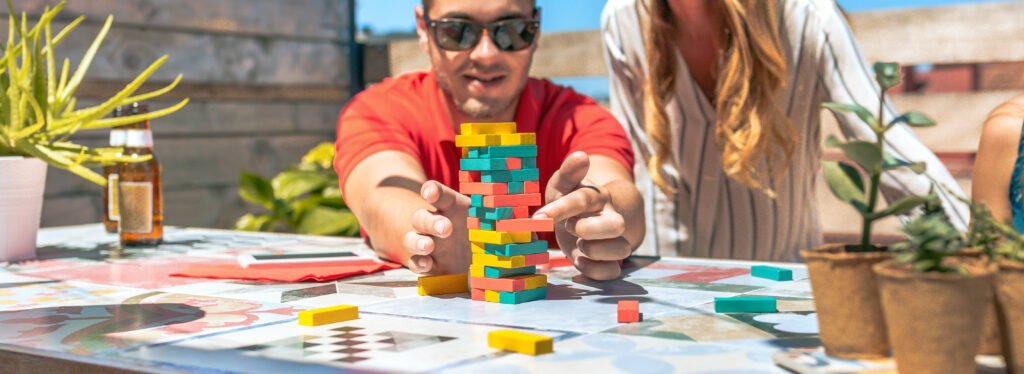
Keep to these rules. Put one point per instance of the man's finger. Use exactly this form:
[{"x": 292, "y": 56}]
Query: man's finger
[
  {"x": 441, "y": 197},
  {"x": 605, "y": 250},
  {"x": 597, "y": 270},
  {"x": 427, "y": 223},
  {"x": 569, "y": 175},
  {"x": 606, "y": 225},
  {"x": 420, "y": 264},
  {"x": 417, "y": 244},
  {"x": 579, "y": 202}
]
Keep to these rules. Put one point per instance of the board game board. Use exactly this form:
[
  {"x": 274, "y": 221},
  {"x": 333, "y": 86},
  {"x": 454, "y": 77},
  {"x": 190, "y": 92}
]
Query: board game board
[{"x": 85, "y": 297}]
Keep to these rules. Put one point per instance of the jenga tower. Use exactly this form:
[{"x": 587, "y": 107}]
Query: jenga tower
[{"x": 498, "y": 170}]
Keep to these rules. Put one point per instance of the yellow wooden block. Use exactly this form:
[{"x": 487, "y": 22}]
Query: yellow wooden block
[
  {"x": 499, "y": 261},
  {"x": 323, "y": 316},
  {"x": 465, "y": 152},
  {"x": 476, "y": 271},
  {"x": 477, "y": 140},
  {"x": 443, "y": 284},
  {"x": 536, "y": 281},
  {"x": 476, "y": 247},
  {"x": 492, "y": 296},
  {"x": 488, "y": 128},
  {"x": 523, "y": 138},
  {"x": 499, "y": 237},
  {"x": 517, "y": 341}
]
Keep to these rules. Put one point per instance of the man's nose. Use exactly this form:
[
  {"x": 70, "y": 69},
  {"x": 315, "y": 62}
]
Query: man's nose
[{"x": 485, "y": 50}]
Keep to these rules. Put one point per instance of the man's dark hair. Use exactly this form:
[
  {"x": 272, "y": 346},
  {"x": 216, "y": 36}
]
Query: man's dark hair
[{"x": 428, "y": 3}]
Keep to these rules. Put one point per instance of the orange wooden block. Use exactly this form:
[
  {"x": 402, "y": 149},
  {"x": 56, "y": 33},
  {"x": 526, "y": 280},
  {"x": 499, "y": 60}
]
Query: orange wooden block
[
  {"x": 511, "y": 284},
  {"x": 474, "y": 188},
  {"x": 629, "y": 311},
  {"x": 513, "y": 163},
  {"x": 531, "y": 199},
  {"x": 531, "y": 187},
  {"x": 526, "y": 224},
  {"x": 478, "y": 294},
  {"x": 469, "y": 176},
  {"x": 520, "y": 212},
  {"x": 473, "y": 223}
]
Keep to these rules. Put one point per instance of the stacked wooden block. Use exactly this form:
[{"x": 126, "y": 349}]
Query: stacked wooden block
[{"x": 498, "y": 171}]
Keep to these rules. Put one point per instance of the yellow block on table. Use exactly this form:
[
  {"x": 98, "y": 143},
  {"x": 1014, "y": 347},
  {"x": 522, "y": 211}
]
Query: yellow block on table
[
  {"x": 323, "y": 316},
  {"x": 517, "y": 341},
  {"x": 443, "y": 284}
]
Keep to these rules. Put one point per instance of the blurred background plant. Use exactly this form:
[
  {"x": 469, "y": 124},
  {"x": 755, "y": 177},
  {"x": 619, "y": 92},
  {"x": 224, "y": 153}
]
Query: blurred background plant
[
  {"x": 930, "y": 239},
  {"x": 37, "y": 107},
  {"x": 304, "y": 198}
]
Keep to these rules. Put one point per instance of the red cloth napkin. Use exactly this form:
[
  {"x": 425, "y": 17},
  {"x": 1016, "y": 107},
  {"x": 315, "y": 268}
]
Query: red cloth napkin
[{"x": 286, "y": 272}]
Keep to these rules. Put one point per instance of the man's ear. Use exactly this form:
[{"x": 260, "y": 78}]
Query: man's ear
[{"x": 421, "y": 30}]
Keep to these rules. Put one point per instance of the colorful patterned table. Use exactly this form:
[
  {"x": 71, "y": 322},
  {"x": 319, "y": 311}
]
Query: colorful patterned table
[{"x": 86, "y": 301}]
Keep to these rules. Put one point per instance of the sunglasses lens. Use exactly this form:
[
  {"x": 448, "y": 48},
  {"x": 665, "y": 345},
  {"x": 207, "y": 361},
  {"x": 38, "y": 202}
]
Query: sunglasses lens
[
  {"x": 514, "y": 35},
  {"x": 456, "y": 35}
]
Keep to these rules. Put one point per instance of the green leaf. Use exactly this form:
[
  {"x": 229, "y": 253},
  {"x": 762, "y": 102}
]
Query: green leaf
[
  {"x": 255, "y": 189},
  {"x": 865, "y": 154},
  {"x": 902, "y": 206},
  {"x": 845, "y": 183},
  {"x": 887, "y": 74},
  {"x": 860, "y": 111},
  {"x": 891, "y": 162},
  {"x": 301, "y": 206},
  {"x": 294, "y": 183},
  {"x": 913, "y": 119},
  {"x": 328, "y": 221},
  {"x": 251, "y": 222},
  {"x": 322, "y": 155}
]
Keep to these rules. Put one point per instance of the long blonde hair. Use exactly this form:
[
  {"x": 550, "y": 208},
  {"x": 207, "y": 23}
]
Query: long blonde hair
[{"x": 757, "y": 139}]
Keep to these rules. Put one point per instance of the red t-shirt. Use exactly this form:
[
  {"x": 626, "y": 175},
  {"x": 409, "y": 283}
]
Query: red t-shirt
[{"x": 407, "y": 114}]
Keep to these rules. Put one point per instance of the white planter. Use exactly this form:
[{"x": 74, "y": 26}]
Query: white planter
[{"x": 22, "y": 181}]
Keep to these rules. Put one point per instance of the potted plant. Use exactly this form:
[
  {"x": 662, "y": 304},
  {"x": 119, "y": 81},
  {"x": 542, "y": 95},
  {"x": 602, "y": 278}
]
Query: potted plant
[
  {"x": 38, "y": 115},
  {"x": 932, "y": 299},
  {"x": 845, "y": 296},
  {"x": 1007, "y": 248}
]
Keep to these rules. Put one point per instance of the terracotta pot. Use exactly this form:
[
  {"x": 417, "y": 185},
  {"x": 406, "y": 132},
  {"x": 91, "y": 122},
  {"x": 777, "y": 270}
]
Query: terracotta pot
[
  {"x": 932, "y": 317},
  {"x": 1010, "y": 304},
  {"x": 991, "y": 341},
  {"x": 22, "y": 181},
  {"x": 850, "y": 318}
]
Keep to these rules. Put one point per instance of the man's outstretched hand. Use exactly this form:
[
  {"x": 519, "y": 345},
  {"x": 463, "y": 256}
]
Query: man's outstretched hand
[
  {"x": 438, "y": 242},
  {"x": 588, "y": 228}
]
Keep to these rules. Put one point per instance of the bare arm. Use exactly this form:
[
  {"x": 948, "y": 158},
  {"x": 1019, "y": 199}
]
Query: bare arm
[{"x": 997, "y": 153}]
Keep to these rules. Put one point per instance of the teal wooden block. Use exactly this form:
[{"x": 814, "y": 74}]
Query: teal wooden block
[
  {"x": 515, "y": 188},
  {"x": 490, "y": 213},
  {"x": 516, "y": 249},
  {"x": 504, "y": 151},
  {"x": 493, "y": 272},
  {"x": 476, "y": 200},
  {"x": 529, "y": 162},
  {"x": 505, "y": 176},
  {"x": 483, "y": 164},
  {"x": 771, "y": 272},
  {"x": 487, "y": 224},
  {"x": 523, "y": 296},
  {"x": 745, "y": 305}
]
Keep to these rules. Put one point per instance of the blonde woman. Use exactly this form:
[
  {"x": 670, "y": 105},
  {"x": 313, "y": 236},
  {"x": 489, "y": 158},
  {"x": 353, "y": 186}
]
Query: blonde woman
[{"x": 722, "y": 100}]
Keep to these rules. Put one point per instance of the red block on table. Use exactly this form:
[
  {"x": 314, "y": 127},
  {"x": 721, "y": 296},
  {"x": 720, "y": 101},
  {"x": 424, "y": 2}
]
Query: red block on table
[
  {"x": 523, "y": 200},
  {"x": 531, "y": 187},
  {"x": 629, "y": 311},
  {"x": 475, "y": 188},
  {"x": 469, "y": 176},
  {"x": 520, "y": 212},
  {"x": 473, "y": 223},
  {"x": 526, "y": 224}
]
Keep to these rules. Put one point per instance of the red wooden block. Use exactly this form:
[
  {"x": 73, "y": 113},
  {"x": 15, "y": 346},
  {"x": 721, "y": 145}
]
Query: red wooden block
[
  {"x": 536, "y": 259},
  {"x": 473, "y": 188},
  {"x": 514, "y": 284},
  {"x": 473, "y": 223},
  {"x": 526, "y": 224},
  {"x": 469, "y": 176},
  {"x": 531, "y": 187},
  {"x": 629, "y": 311},
  {"x": 478, "y": 294},
  {"x": 532, "y": 199},
  {"x": 513, "y": 163},
  {"x": 520, "y": 212}
]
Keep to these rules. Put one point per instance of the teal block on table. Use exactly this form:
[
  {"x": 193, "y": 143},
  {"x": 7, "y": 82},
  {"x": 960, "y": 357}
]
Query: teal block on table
[
  {"x": 504, "y": 151},
  {"x": 523, "y": 296},
  {"x": 771, "y": 272},
  {"x": 516, "y": 249},
  {"x": 505, "y": 176},
  {"x": 515, "y": 188},
  {"x": 476, "y": 200},
  {"x": 745, "y": 305},
  {"x": 482, "y": 164},
  {"x": 493, "y": 272},
  {"x": 529, "y": 162},
  {"x": 490, "y": 213},
  {"x": 488, "y": 224}
]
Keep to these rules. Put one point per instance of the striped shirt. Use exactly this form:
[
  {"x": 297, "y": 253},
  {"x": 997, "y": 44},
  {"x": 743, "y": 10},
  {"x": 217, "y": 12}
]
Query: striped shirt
[{"x": 714, "y": 216}]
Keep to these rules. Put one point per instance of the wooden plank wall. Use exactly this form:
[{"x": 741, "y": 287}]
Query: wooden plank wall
[{"x": 266, "y": 78}]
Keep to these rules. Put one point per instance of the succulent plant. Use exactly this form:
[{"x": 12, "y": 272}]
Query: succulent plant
[
  {"x": 930, "y": 239},
  {"x": 37, "y": 108}
]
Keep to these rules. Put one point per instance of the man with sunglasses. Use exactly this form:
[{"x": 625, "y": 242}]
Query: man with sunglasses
[{"x": 398, "y": 165}]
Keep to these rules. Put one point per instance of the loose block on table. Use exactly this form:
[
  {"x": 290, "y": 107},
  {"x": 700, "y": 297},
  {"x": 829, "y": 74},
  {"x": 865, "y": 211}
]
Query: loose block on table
[
  {"x": 485, "y": 164},
  {"x": 484, "y": 128},
  {"x": 478, "y": 140},
  {"x": 323, "y": 316},
  {"x": 498, "y": 237},
  {"x": 443, "y": 284},
  {"x": 516, "y": 297},
  {"x": 510, "y": 284},
  {"x": 503, "y": 151},
  {"x": 497, "y": 201},
  {"x": 515, "y": 249},
  {"x": 526, "y": 224},
  {"x": 521, "y": 342},
  {"x": 523, "y": 138},
  {"x": 628, "y": 311},
  {"x": 493, "y": 272},
  {"x": 504, "y": 212},
  {"x": 745, "y": 305},
  {"x": 771, "y": 272},
  {"x": 511, "y": 261},
  {"x": 505, "y": 176}
]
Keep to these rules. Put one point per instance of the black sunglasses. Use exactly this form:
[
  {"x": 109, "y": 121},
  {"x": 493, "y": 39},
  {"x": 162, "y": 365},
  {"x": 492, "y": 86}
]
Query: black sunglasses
[{"x": 453, "y": 34}]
